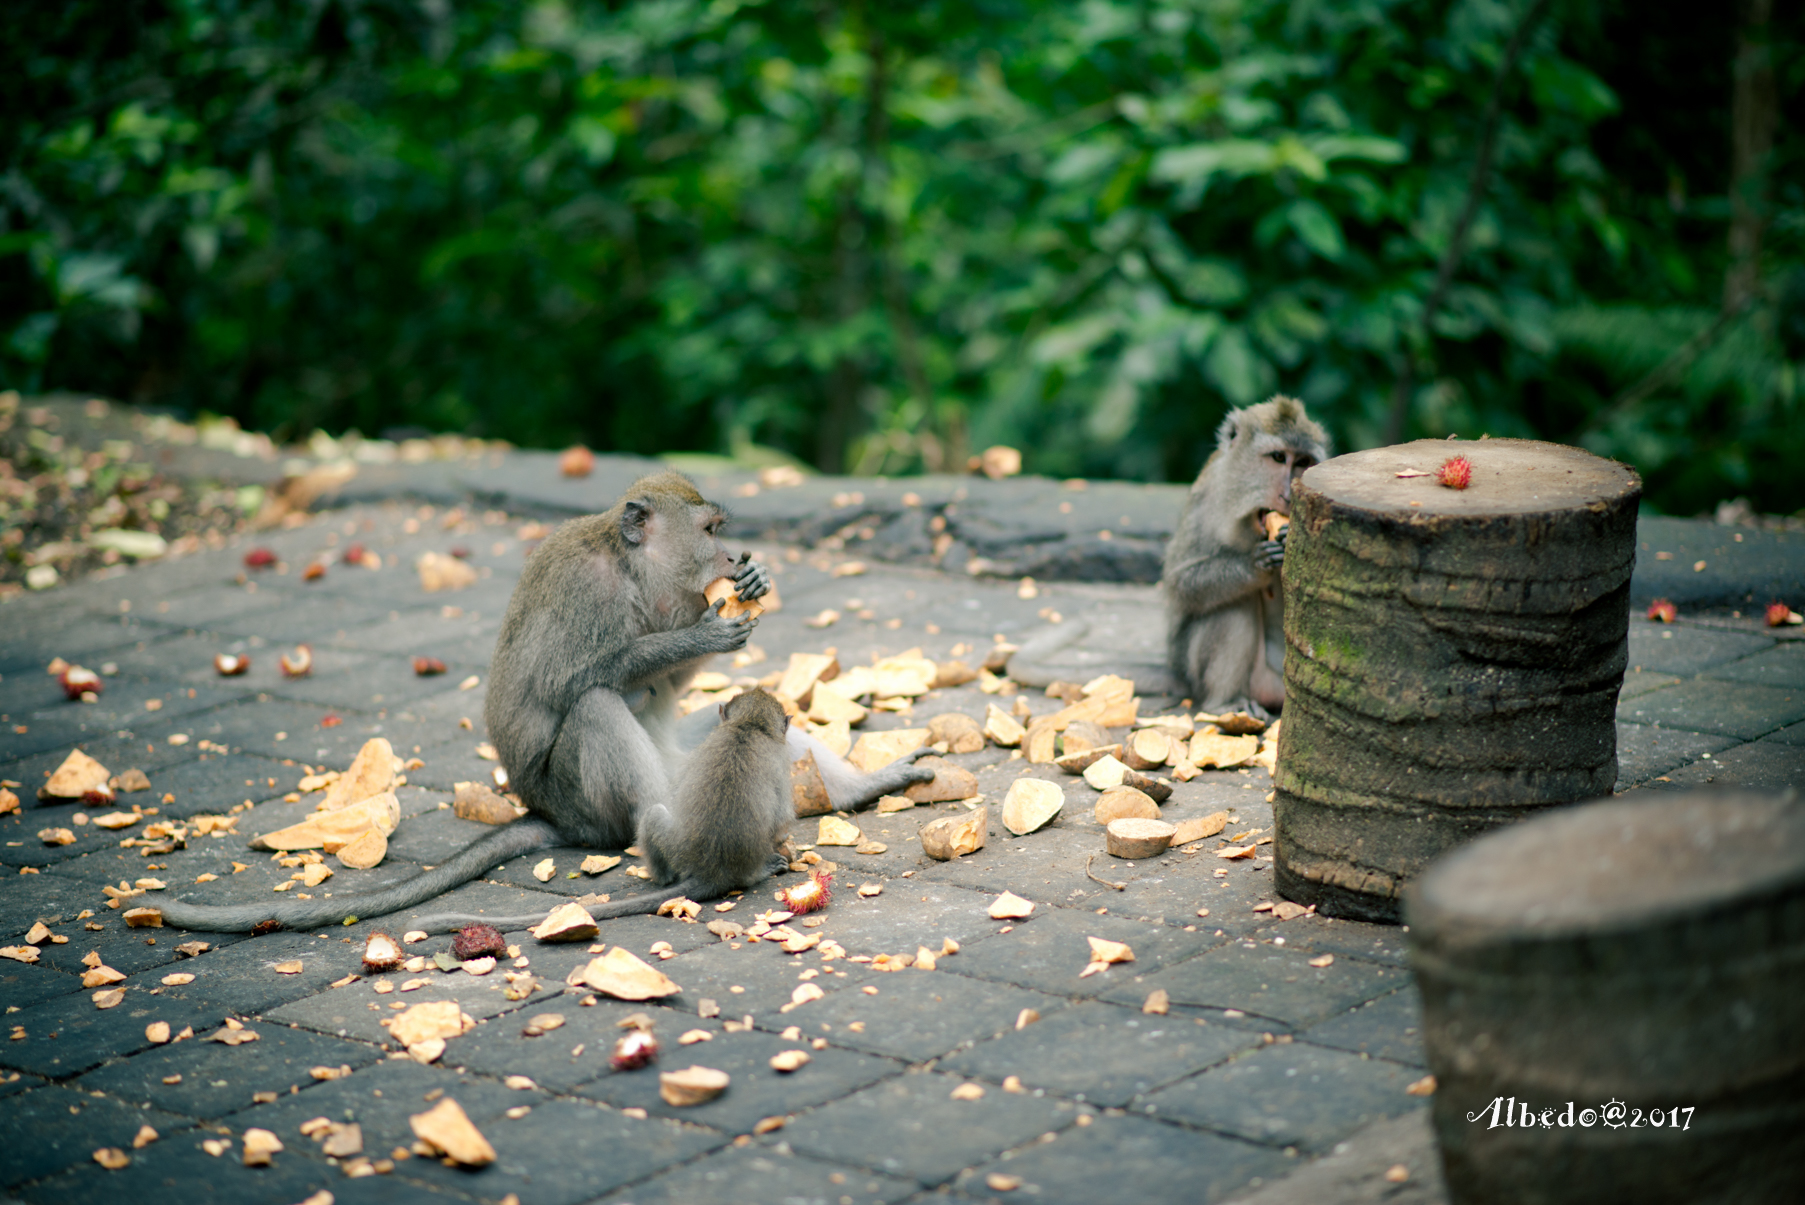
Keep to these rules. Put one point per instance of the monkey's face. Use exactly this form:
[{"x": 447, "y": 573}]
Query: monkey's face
[
  {"x": 1280, "y": 466},
  {"x": 712, "y": 557}
]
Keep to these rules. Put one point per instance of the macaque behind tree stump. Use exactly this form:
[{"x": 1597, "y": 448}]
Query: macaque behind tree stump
[
  {"x": 1453, "y": 656},
  {"x": 1646, "y": 951}
]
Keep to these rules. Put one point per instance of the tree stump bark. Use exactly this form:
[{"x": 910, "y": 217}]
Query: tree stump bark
[
  {"x": 1452, "y": 657},
  {"x": 1647, "y": 954}
]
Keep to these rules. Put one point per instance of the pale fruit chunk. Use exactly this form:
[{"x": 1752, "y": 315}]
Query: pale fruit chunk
[
  {"x": 424, "y": 1022},
  {"x": 1158, "y": 791},
  {"x": 1040, "y": 744},
  {"x": 836, "y": 735},
  {"x": 1103, "y": 953},
  {"x": 567, "y": 922},
  {"x": 381, "y": 953},
  {"x": 950, "y": 782},
  {"x": 1030, "y": 804},
  {"x": 1220, "y": 751},
  {"x": 372, "y": 772},
  {"x": 723, "y": 590},
  {"x": 259, "y": 1145},
  {"x": 804, "y": 670},
  {"x": 476, "y": 801},
  {"x": 363, "y": 852},
  {"x": 620, "y": 974},
  {"x": 827, "y": 705},
  {"x": 347, "y": 824},
  {"x": 440, "y": 572},
  {"x": 1133, "y": 837},
  {"x": 1002, "y": 728},
  {"x": 1010, "y": 906},
  {"x": 1125, "y": 803},
  {"x": 691, "y": 1086},
  {"x": 955, "y": 836},
  {"x": 787, "y": 1061},
  {"x": 808, "y": 789},
  {"x": 875, "y": 750},
  {"x": 1078, "y": 763},
  {"x": 448, "y": 1129},
  {"x": 960, "y": 732},
  {"x": 831, "y": 830},
  {"x": 78, "y": 775},
  {"x": 1200, "y": 828},
  {"x": 1147, "y": 749},
  {"x": 1105, "y": 773},
  {"x": 1235, "y": 723},
  {"x": 1274, "y": 523},
  {"x": 1084, "y": 735}
]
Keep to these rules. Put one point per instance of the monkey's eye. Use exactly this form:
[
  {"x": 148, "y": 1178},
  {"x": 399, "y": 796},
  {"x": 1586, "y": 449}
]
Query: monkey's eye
[{"x": 1277, "y": 457}]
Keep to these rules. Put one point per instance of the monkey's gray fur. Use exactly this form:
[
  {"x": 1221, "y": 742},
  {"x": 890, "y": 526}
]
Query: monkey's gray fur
[
  {"x": 721, "y": 832},
  {"x": 1224, "y": 603},
  {"x": 602, "y": 635}
]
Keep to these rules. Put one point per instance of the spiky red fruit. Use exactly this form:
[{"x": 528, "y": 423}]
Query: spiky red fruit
[
  {"x": 811, "y": 896},
  {"x": 79, "y": 682},
  {"x": 1662, "y": 611},
  {"x": 635, "y": 1049},
  {"x": 1456, "y": 472},
  {"x": 259, "y": 558},
  {"x": 354, "y": 554},
  {"x": 479, "y": 941}
]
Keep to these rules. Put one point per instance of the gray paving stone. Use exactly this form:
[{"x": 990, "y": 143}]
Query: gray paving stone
[
  {"x": 578, "y": 1050},
  {"x": 1764, "y": 765},
  {"x": 12, "y": 1083},
  {"x": 756, "y": 1091},
  {"x": 1048, "y": 951},
  {"x": 1683, "y": 650},
  {"x": 241, "y": 977},
  {"x": 30, "y": 643},
  {"x": 1358, "y": 1170},
  {"x": 1390, "y": 1027},
  {"x": 1103, "y": 1054},
  {"x": 1271, "y": 984},
  {"x": 28, "y": 898},
  {"x": 1134, "y": 1158},
  {"x": 1292, "y": 1094},
  {"x": 1793, "y": 735},
  {"x": 65, "y": 1127},
  {"x": 22, "y": 985},
  {"x": 470, "y": 635},
  {"x": 734, "y": 1176},
  {"x": 1325, "y": 935},
  {"x": 910, "y": 1126},
  {"x": 920, "y": 1015},
  {"x": 909, "y": 913},
  {"x": 1783, "y": 666},
  {"x": 1723, "y": 708},
  {"x": 304, "y": 617},
  {"x": 120, "y": 946},
  {"x": 1645, "y": 751},
  {"x": 69, "y": 1034},
  {"x": 765, "y": 975},
  {"x": 1639, "y": 682},
  {"x": 357, "y": 1011},
  {"x": 216, "y": 1079}
]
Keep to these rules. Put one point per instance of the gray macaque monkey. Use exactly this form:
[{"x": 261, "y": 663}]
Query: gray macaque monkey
[
  {"x": 720, "y": 832},
  {"x": 1224, "y": 602},
  {"x": 602, "y": 634}
]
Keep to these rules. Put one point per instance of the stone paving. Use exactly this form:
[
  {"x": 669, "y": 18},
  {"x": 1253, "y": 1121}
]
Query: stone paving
[{"x": 1269, "y": 1079}]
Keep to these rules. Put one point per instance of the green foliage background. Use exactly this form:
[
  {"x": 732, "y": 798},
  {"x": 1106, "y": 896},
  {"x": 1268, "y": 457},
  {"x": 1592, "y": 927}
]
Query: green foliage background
[{"x": 878, "y": 237}]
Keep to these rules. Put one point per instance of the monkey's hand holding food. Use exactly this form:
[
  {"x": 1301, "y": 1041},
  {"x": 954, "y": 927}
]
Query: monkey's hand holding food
[
  {"x": 732, "y": 603},
  {"x": 721, "y": 635},
  {"x": 752, "y": 580},
  {"x": 1269, "y": 554}
]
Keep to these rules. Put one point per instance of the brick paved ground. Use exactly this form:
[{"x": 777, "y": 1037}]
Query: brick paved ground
[{"x": 1270, "y": 1079}]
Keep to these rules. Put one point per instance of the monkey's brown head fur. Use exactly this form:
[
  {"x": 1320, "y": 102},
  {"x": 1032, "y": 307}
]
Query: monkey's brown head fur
[
  {"x": 757, "y": 709},
  {"x": 664, "y": 521}
]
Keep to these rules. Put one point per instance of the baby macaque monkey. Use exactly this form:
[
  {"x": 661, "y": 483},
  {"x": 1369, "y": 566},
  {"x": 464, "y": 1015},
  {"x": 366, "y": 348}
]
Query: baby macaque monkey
[
  {"x": 721, "y": 830},
  {"x": 1224, "y": 602}
]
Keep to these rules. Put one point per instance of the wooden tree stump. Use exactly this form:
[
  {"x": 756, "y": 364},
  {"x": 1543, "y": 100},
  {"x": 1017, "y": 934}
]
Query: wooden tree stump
[
  {"x": 1647, "y": 951},
  {"x": 1452, "y": 657}
]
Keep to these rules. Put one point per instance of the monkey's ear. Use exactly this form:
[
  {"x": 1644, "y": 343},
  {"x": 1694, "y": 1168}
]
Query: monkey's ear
[{"x": 633, "y": 518}]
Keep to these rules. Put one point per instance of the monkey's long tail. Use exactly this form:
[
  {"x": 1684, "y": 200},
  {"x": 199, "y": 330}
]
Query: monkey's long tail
[
  {"x": 634, "y": 905},
  {"x": 1026, "y": 663},
  {"x": 485, "y": 853}
]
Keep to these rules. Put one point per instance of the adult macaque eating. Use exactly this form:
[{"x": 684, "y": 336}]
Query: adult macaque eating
[
  {"x": 1224, "y": 602},
  {"x": 604, "y": 631}
]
